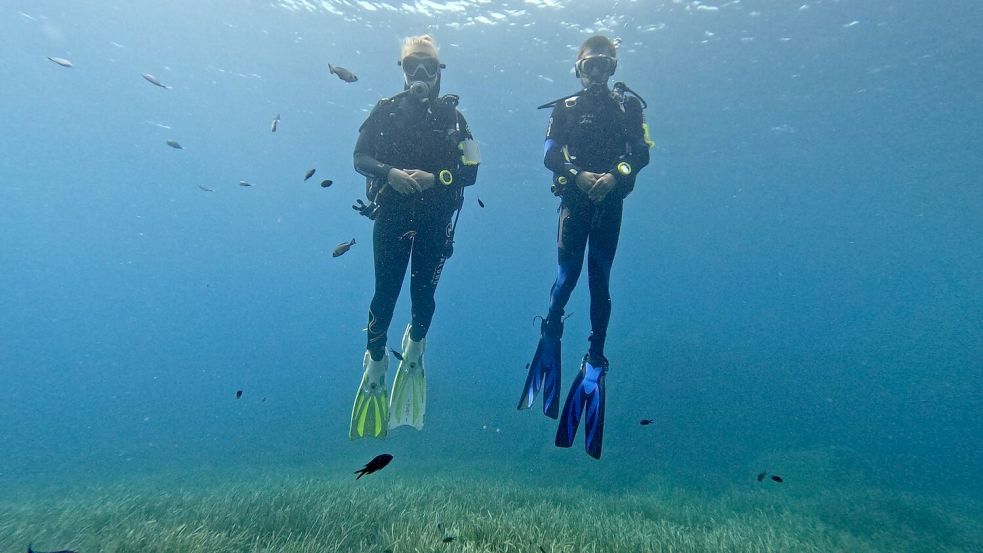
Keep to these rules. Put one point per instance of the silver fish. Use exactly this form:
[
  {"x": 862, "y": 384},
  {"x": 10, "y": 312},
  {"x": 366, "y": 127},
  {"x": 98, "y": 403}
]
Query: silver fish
[
  {"x": 153, "y": 80},
  {"x": 175, "y": 144},
  {"x": 342, "y": 73},
  {"x": 343, "y": 248},
  {"x": 205, "y": 188},
  {"x": 244, "y": 183},
  {"x": 309, "y": 173},
  {"x": 276, "y": 122},
  {"x": 61, "y": 61}
]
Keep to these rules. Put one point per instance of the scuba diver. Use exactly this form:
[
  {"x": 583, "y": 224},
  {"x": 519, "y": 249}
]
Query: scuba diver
[
  {"x": 417, "y": 154},
  {"x": 596, "y": 143}
]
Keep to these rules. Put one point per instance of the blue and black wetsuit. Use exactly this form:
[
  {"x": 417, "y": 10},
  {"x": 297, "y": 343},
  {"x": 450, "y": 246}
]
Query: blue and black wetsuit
[
  {"x": 591, "y": 132},
  {"x": 407, "y": 134}
]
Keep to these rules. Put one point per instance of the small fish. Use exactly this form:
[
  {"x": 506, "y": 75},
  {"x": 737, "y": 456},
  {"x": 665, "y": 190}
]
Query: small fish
[
  {"x": 528, "y": 365},
  {"x": 205, "y": 188},
  {"x": 238, "y": 394},
  {"x": 481, "y": 203},
  {"x": 326, "y": 183},
  {"x": 153, "y": 80},
  {"x": 29, "y": 550},
  {"x": 448, "y": 539},
  {"x": 777, "y": 478},
  {"x": 61, "y": 61},
  {"x": 342, "y": 73},
  {"x": 309, "y": 174},
  {"x": 276, "y": 123},
  {"x": 542, "y": 549},
  {"x": 244, "y": 183},
  {"x": 410, "y": 234},
  {"x": 376, "y": 464},
  {"x": 396, "y": 354},
  {"x": 343, "y": 248},
  {"x": 646, "y": 422},
  {"x": 761, "y": 476},
  {"x": 175, "y": 144}
]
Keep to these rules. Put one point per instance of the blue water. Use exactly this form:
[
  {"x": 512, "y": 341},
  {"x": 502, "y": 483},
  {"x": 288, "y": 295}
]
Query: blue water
[{"x": 800, "y": 267}]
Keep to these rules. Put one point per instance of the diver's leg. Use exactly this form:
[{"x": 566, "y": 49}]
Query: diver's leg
[
  {"x": 408, "y": 402},
  {"x": 429, "y": 255},
  {"x": 572, "y": 232},
  {"x": 391, "y": 252},
  {"x": 604, "y": 236},
  {"x": 544, "y": 370}
]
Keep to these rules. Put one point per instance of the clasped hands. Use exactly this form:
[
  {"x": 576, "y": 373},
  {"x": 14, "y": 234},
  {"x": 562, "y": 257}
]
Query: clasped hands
[
  {"x": 410, "y": 181},
  {"x": 596, "y": 185}
]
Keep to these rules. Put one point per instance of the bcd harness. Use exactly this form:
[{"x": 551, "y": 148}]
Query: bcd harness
[
  {"x": 620, "y": 93},
  {"x": 444, "y": 120}
]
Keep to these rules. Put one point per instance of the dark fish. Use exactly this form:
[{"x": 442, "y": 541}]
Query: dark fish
[
  {"x": 374, "y": 465},
  {"x": 343, "y": 248},
  {"x": 326, "y": 183},
  {"x": 244, "y": 183},
  {"x": 175, "y": 144},
  {"x": 481, "y": 203},
  {"x": 448, "y": 539},
  {"x": 528, "y": 365},
  {"x": 153, "y": 80},
  {"x": 342, "y": 73},
  {"x": 29, "y": 550},
  {"x": 238, "y": 394},
  {"x": 61, "y": 61},
  {"x": 761, "y": 476},
  {"x": 542, "y": 549},
  {"x": 263, "y": 400},
  {"x": 396, "y": 354},
  {"x": 309, "y": 173},
  {"x": 205, "y": 188},
  {"x": 777, "y": 478},
  {"x": 276, "y": 122},
  {"x": 645, "y": 422}
]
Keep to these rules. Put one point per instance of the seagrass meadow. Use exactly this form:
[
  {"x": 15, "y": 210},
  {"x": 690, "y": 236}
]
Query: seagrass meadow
[
  {"x": 795, "y": 343},
  {"x": 297, "y": 512}
]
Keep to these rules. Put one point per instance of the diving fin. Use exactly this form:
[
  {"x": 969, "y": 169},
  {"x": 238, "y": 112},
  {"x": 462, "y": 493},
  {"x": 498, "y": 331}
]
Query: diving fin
[
  {"x": 586, "y": 396},
  {"x": 370, "y": 414},
  {"x": 544, "y": 371},
  {"x": 408, "y": 402}
]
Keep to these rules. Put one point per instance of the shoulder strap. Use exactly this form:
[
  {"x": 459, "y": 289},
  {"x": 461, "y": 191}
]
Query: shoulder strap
[{"x": 384, "y": 106}]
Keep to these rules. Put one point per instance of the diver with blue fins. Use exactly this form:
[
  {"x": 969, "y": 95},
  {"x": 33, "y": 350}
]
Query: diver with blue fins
[
  {"x": 417, "y": 154},
  {"x": 596, "y": 142}
]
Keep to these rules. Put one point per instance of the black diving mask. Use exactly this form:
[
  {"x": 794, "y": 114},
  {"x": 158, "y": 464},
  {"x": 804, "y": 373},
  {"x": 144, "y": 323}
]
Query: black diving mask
[
  {"x": 596, "y": 68},
  {"x": 419, "y": 67},
  {"x": 422, "y": 74}
]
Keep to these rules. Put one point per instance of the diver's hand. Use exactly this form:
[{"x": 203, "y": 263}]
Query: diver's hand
[
  {"x": 586, "y": 180},
  {"x": 604, "y": 184},
  {"x": 402, "y": 182},
  {"x": 424, "y": 179}
]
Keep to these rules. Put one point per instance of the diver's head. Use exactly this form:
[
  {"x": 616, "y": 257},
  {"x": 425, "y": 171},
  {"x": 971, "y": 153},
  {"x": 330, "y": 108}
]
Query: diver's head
[
  {"x": 421, "y": 67},
  {"x": 596, "y": 62}
]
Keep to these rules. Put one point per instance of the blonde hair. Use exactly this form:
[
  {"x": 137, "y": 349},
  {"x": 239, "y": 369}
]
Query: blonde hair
[{"x": 423, "y": 44}]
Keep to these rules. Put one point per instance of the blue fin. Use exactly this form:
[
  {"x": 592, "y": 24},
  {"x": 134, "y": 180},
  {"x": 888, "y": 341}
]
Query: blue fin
[
  {"x": 586, "y": 399},
  {"x": 544, "y": 374}
]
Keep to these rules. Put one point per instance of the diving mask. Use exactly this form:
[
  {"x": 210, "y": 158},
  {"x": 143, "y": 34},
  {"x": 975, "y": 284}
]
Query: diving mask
[
  {"x": 596, "y": 68},
  {"x": 420, "y": 67}
]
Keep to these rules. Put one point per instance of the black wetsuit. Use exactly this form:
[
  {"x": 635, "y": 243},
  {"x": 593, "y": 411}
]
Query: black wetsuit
[
  {"x": 599, "y": 131},
  {"x": 405, "y": 134}
]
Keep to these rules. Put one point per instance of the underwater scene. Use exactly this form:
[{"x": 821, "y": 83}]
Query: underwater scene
[{"x": 304, "y": 276}]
